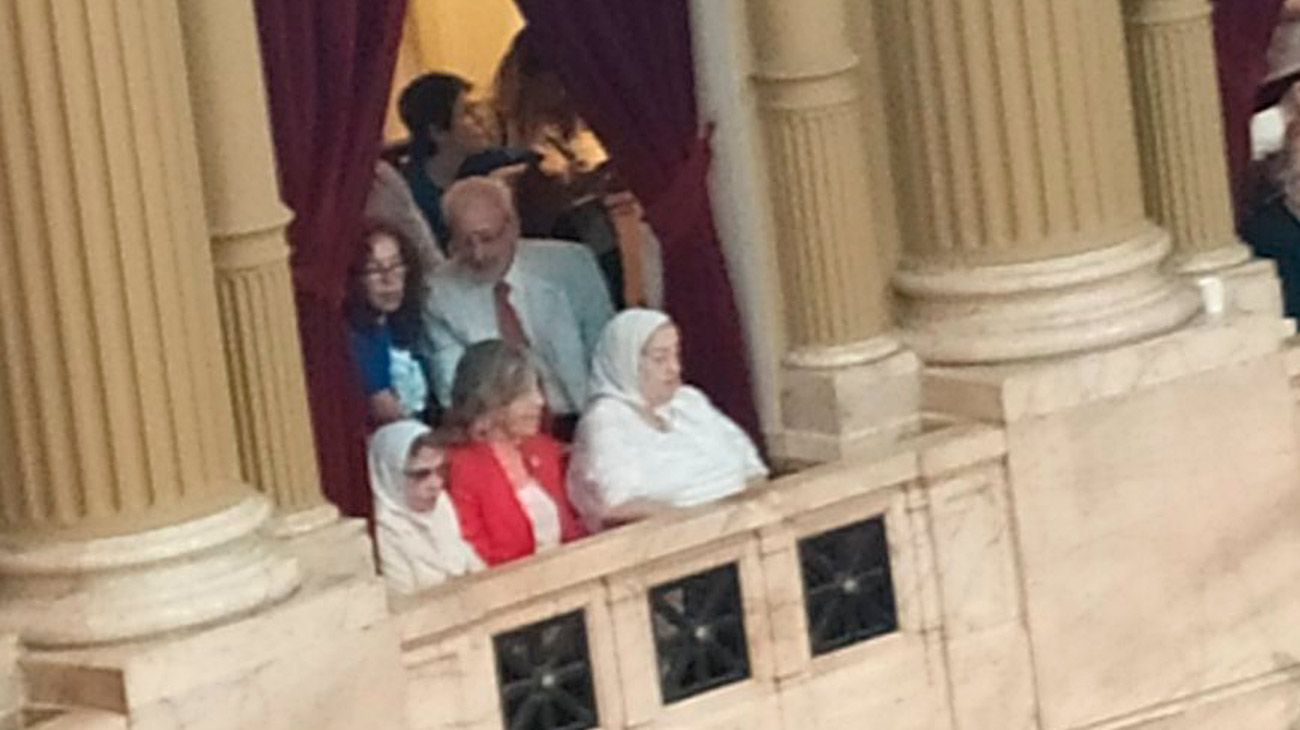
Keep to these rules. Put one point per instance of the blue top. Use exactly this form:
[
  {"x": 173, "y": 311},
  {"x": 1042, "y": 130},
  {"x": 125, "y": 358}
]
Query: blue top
[
  {"x": 384, "y": 366},
  {"x": 371, "y": 350}
]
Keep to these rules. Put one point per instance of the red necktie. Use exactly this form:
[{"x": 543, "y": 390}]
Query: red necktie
[{"x": 508, "y": 322}]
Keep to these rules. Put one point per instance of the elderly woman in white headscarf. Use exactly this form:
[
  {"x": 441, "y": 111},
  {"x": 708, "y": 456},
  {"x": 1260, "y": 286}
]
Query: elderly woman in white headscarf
[
  {"x": 416, "y": 529},
  {"x": 646, "y": 441}
]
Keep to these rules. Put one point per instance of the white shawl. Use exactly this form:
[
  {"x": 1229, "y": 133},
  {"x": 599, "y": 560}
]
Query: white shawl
[
  {"x": 417, "y": 550},
  {"x": 699, "y": 455}
]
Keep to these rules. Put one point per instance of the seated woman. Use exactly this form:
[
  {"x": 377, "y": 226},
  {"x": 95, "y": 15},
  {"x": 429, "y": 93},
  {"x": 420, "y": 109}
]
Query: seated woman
[
  {"x": 416, "y": 531},
  {"x": 506, "y": 477},
  {"x": 646, "y": 441},
  {"x": 384, "y": 300}
]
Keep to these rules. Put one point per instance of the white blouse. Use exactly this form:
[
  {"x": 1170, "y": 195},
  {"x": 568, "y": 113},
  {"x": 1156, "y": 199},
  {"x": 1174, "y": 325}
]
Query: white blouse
[
  {"x": 541, "y": 511},
  {"x": 618, "y": 456}
]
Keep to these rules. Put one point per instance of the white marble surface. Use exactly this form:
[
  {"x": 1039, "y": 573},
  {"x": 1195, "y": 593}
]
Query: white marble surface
[
  {"x": 1158, "y": 539},
  {"x": 328, "y": 658},
  {"x": 1009, "y": 393}
]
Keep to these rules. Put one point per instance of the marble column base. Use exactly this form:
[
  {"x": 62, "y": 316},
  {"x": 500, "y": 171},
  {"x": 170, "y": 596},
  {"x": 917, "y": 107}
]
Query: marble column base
[
  {"x": 838, "y": 401},
  {"x": 1238, "y": 286},
  {"x": 294, "y": 524},
  {"x": 337, "y": 551},
  {"x": 119, "y": 588},
  {"x": 1044, "y": 308},
  {"x": 327, "y": 658}
]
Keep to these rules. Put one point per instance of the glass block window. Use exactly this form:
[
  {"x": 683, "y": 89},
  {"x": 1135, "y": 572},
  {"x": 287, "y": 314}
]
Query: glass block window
[
  {"x": 847, "y": 589},
  {"x": 699, "y": 632},
  {"x": 544, "y": 675}
]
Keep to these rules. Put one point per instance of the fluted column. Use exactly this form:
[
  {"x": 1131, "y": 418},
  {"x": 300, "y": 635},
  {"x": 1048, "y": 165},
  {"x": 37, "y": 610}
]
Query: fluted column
[
  {"x": 246, "y": 222},
  {"x": 1180, "y": 129},
  {"x": 829, "y": 229},
  {"x": 1022, "y": 210},
  {"x": 120, "y": 501},
  {"x": 1180, "y": 136}
]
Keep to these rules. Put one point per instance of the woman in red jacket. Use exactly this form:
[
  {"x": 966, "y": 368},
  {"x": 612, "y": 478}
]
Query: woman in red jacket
[{"x": 505, "y": 476}]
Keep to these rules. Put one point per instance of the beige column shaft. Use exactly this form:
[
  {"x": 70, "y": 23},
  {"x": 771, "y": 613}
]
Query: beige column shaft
[
  {"x": 1180, "y": 129},
  {"x": 116, "y": 437},
  {"x": 812, "y": 111},
  {"x": 1022, "y": 210},
  {"x": 846, "y": 381},
  {"x": 246, "y": 222}
]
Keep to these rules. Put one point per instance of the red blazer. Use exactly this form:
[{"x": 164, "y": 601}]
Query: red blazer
[{"x": 491, "y": 517}]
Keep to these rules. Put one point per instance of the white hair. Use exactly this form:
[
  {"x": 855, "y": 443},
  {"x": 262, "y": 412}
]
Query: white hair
[{"x": 481, "y": 187}]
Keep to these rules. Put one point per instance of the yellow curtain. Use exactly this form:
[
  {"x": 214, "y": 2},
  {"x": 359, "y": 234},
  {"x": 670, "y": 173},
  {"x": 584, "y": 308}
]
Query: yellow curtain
[{"x": 464, "y": 37}]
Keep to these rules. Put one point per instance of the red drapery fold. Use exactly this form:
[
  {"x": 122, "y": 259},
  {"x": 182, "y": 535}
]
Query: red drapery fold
[
  {"x": 628, "y": 66},
  {"x": 328, "y": 66},
  {"x": 1242, "y": 31}
]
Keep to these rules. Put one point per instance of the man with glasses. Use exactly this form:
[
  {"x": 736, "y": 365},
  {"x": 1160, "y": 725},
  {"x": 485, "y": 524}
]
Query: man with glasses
[{"x": 546, "y": 295}]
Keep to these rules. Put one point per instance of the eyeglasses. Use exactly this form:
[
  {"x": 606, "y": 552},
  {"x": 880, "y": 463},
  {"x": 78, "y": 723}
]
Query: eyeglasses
[{"x": 382, "y": 272}]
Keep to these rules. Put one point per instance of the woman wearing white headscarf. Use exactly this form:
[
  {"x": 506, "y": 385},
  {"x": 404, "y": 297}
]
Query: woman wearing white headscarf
[
  {"x": 416, "y": 529},
  {"x": 646, "y": 441}
]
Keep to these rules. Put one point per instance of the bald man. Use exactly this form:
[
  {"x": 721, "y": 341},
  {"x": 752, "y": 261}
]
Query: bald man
[{"x": 547, "y": 295}]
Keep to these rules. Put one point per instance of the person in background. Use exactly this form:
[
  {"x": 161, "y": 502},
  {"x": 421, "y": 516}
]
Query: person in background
[
  {"x": 445, "y": 131},
  {"x": 417, "y": 533},
  {"x": 647, "y": 442},
  {"x": 1242, "y": 31},
  {"x": 505, "y": 476},
  {"x": 384, "y": 299},
  {"x": 573, "y": 191},
  {"x": 544, "y": 295},
  {"x": 391, "y": 205}
]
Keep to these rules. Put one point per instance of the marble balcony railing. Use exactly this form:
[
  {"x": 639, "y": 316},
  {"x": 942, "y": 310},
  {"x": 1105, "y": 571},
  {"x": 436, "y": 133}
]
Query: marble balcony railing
[{"x": 841, "y": 592}]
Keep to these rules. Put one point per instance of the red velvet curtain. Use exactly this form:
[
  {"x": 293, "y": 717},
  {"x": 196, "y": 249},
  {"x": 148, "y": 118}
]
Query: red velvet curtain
[
  {"x": 1242, "y": 31},
  {"x": 628, "y": 66},
  {"x": 328, "y": 66}
]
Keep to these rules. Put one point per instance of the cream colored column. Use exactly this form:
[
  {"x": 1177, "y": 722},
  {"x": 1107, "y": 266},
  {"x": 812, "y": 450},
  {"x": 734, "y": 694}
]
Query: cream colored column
[
  {"x": 846, "y": 379},
  {"x": 1021, "y": 210},
  {"x": 246, "y": 221},
  {"x": 1180, "y": 136},
  {"x": 120, "y": 502},
  {"x": 724, "y": 66}
]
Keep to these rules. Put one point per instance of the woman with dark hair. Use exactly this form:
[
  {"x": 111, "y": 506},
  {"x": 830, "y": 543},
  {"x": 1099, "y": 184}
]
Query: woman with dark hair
[
  {"x": 572, "y": 192},
  {"x": 506, "y": 477},
  {"x": 385, "y": 293},
  {"x": 445, "y": 132}
]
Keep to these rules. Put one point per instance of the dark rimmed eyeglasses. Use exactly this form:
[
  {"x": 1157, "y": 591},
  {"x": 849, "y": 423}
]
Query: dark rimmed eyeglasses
[{"x": 382, "y": 272}]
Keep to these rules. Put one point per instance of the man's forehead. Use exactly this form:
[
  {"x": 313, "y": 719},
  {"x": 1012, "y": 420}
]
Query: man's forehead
[{"x": 480, "y": 213}]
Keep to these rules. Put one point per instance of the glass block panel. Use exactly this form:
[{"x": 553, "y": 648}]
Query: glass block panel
[
  {"x": 847, "y": 589},
  {"x": 544, "y": 675},
  {"x": 699, "y": 631}
]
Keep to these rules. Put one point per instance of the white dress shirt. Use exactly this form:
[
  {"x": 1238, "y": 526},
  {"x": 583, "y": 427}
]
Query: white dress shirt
[{"x": 562, "y": 301}]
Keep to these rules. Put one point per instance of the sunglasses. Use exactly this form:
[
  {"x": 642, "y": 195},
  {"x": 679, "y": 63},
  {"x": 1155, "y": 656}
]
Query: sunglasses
[{"x": 421, "y": 474}]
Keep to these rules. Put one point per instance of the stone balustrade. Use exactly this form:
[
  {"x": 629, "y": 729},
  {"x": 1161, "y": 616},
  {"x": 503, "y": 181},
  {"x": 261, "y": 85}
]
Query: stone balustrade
[{"x": 845, "y": 592}]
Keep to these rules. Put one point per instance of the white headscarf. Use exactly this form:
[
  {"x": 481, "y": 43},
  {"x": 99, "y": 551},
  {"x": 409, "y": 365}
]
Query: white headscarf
[
  {"x": 416, "y": 549},
  {"x": 616, "y": 362},
  {"x": 695, "y": 454}
]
